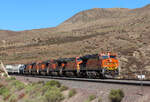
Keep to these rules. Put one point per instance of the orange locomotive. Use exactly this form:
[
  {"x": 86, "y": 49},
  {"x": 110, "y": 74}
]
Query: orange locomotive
[
  {"x": 28, "y": 68},
  {"x": 99, "y": 65},
  {"x": 93, "y": 66},
  {"x": 109, "y": 64}
]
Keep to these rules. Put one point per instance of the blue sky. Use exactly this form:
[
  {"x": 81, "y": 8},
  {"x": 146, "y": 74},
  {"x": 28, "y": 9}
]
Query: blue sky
[{"x": 34, "y": 14}]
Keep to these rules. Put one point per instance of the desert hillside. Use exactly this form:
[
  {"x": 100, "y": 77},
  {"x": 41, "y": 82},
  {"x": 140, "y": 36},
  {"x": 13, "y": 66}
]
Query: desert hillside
[{"x": 121, "y": 30}]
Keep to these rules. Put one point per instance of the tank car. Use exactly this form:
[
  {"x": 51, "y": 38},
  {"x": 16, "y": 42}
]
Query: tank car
[{"x": 15, "y": 69}]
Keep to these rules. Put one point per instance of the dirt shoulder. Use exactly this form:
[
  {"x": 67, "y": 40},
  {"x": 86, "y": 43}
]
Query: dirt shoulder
[{"x": 85, "y": 89}]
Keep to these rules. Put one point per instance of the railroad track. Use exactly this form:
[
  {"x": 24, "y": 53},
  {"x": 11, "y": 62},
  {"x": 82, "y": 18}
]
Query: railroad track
[{"x": 111, "y": 81}]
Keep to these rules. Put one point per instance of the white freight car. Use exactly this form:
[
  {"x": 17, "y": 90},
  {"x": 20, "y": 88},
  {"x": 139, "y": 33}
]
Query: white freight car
[{"x": 15, "y": 68}]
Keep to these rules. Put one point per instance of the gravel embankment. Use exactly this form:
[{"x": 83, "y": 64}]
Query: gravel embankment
[{"x": 132, "y": 93}]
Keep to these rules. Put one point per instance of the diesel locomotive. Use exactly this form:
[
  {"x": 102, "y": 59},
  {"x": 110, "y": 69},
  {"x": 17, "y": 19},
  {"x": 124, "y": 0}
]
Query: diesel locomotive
[{"x": 92, "y": 66}]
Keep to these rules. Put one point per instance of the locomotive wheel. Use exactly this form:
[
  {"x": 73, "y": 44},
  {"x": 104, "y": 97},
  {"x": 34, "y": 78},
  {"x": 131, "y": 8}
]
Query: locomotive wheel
[
  {"x": 43, "y": 73},
  {"x": 61, "y": 72},
  {"x": 113, "y": 73},
  {"x": 47, "y": 71},
  {"x": 25, "y": 72},
  {"x": 29, "y": 71},
  {"x": 37, "y": 72},
  {"x": 103, "y": 73},
  {"x": 78, "y": 74}
]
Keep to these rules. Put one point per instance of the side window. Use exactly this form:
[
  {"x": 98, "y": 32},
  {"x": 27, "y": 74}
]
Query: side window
[
  {"x": 79, "y": 59},
  {"x": 47, "y": 64},
  {"x": 59, "y": 64},
  {"x": 111, "y": 56},
  {"x": 104, "y": 57}
]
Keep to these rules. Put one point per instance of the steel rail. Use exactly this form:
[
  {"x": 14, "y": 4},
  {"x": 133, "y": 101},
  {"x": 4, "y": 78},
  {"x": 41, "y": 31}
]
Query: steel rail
[{"x": 110, "y": 81}]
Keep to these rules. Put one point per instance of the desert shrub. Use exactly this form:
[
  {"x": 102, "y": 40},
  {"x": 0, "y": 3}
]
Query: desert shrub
[
  {"x": 99, "y": 99},
  {"x": 1, "y": 85},
  {"x": 4, "y": 92},
  {"x": 53, "y": 95},
  {"x": 116, "y": 95},
  {"x": 72, "y": 92},
  {"x": 5, "y": 75},
  {"x": 41, "y": 82},
  {"x": 13, "y": 98},
  {"x": 31, "y": 88},
  {"x": 63, "y": 88},
  {"x": 19, "y": 85},
  {"x": 52, "y": 83},
  {"x": 10, "y": 78},
  {"x": 36, "y": 90},
  {"x": 28, "y": 88},
  {"x": 30, "y": 100},
  {"x": 21, "y": 95},
  {"x": 91, "y": 98},
  {"x": 6, "y": 95}
]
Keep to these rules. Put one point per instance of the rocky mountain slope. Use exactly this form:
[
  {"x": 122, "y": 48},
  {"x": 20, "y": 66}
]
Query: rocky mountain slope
[{"x": 124, "y": 31}]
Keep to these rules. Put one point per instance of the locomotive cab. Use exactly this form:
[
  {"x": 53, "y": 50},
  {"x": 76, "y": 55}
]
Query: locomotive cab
[{"x": 109, "y": 64}]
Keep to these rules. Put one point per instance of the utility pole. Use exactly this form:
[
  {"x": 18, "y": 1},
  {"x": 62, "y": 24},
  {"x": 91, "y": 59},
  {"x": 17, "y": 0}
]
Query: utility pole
[
  {"x": 141, "y": 65},
  {"x": 2, "y": 67},
  {"x": 141, "y": 82}
]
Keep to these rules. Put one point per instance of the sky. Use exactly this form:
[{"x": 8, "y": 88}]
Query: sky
[{"x": 19, "y": 15}]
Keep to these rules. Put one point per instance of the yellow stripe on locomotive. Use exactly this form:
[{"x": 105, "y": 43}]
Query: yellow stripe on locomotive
[{"x": 109, "y": 62}]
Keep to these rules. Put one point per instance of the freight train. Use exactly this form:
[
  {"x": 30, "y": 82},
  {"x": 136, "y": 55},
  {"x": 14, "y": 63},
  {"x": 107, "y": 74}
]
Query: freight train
[{"x": 92, "y": 66}]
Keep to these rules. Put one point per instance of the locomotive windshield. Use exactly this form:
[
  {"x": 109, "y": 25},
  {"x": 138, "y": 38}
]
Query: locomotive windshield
[
  {"x": 112, "y": 56},
  {"x": 104, "y": 57}
]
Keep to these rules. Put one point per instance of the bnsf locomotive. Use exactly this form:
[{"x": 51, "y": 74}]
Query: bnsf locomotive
[{"x": 92, "y": 66}]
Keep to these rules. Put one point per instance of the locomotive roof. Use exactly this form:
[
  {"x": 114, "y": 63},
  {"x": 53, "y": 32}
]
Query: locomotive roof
[
  {"x": 48, "y": 61},
  {"x": 30, "y": 64},
  {"x": 65, "y": 59},
  {"x": 89, "y": 56}
]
